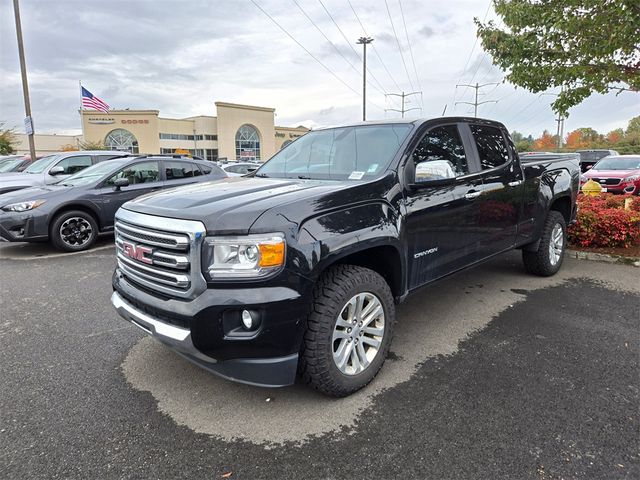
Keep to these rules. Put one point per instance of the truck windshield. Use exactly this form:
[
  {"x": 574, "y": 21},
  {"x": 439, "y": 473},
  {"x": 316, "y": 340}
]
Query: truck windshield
[{"x": 346, "y": 153}]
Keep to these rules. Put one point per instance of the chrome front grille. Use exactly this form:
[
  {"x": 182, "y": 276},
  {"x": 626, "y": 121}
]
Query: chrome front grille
[{"x": 159, "y": 253}]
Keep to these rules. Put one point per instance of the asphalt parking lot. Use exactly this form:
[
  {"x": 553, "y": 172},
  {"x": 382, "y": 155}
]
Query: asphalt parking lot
[{"x": 493, "y": 374}]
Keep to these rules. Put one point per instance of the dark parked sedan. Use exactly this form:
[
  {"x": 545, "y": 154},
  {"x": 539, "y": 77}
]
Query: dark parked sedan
[{"x": 72, "y": 213}]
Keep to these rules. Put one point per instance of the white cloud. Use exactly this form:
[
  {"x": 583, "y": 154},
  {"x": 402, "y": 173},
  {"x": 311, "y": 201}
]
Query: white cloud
[{"x": 182, "y": 56}]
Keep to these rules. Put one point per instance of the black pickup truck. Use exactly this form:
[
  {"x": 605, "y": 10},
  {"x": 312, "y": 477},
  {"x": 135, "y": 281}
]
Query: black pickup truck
[{"x": 297, "y": 267}]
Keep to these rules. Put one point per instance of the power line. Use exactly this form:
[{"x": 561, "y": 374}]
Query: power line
[
  {"x": 333, "y": 44},
  {"x": 349, "y": 43},
  {"x": 415, "y": 70},
  {"x": 398, "y": 42},
  {"x": 470, "y": 55},
  {"x": 475, "y": 103},
  {"x": 309, "y": 53},
  {"x": 364, "y": 30}
]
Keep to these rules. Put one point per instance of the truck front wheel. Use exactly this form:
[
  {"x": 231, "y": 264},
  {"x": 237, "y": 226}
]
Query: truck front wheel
[
  {"x": 349, "y": 330},
  {"x": 547, "y": 260}
]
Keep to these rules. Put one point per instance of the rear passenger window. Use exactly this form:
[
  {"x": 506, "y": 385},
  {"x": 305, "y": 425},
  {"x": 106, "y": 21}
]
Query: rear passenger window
[
  {"x": 440, "y": 154},
  {"x": 179, "y": 170},
  {"x": 205, "y": 170},
  {"x": 492, "y": 147}
]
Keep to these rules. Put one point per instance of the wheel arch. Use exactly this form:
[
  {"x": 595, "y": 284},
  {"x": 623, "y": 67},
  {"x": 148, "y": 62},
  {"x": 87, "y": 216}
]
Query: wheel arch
[{"x": 74, "y": 206}]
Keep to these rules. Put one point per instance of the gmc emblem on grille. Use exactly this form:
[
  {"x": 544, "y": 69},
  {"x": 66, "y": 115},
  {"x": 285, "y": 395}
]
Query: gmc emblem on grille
[{"x": 137, "y": 252}]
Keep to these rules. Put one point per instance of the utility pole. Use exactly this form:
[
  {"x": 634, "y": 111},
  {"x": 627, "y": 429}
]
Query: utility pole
[
  {"x": 28, "y": 121},
  {"x": 364, "y": 41},
  {"x": 560, "y": 130},
  {"x": 477, "y": 87},
  {"x": 402, "y": 96}
]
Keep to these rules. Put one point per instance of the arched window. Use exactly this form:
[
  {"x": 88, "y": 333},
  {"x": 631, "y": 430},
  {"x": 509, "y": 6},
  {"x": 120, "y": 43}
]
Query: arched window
[
  {"x": 247, "y": 143},
  {"x": 121, "y": 139},
  {"x": 285, "y": 143}
]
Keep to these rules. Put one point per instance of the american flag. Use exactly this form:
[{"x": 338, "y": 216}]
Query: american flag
[{"x": 89, "y": 100}]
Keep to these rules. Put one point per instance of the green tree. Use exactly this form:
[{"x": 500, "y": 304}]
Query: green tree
[
  {"x": 633, "y": 126},
  {"x": 7, "y": 140},
  {"x": 585, "y": 46}
]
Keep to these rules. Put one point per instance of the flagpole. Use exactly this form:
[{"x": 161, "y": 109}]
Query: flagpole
[{"x": 81, "y": 119}]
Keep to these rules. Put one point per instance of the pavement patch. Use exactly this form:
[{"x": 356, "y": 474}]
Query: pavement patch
[{"x": 431, "y": 323}]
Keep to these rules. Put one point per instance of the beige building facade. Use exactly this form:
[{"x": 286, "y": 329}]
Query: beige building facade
[{"x": 238, "y": 132}]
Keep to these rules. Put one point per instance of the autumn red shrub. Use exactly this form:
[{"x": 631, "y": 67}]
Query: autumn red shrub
[{"x": 603, "y": 222}]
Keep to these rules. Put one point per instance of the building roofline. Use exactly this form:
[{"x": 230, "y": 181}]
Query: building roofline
[
  {"x": 298, "y": 128},
  {"x": 246, "y": 107},
  {"x": 118, "y": 112}
]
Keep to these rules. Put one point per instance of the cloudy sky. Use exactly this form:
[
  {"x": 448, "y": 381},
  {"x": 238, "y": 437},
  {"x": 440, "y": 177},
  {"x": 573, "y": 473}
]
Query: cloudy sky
[{"x": 181, "y": 56}]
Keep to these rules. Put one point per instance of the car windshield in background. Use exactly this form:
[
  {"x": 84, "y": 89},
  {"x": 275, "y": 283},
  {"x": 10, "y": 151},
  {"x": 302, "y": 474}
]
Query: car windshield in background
[
  {"x": 593, "y": 156},
  {"x": 41, "y": 165},
  {"x": 10, "y": 165},
  {"x": 92, "y": 174},
  {"x": 347, "y": 153},
  {"x": 618, "y": 163}
]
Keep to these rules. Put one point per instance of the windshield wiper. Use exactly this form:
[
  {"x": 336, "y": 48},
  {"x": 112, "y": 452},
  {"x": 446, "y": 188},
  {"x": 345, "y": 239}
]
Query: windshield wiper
[
  {"x": 261, "y": 175},
  {"x": 304, "y": 177}
]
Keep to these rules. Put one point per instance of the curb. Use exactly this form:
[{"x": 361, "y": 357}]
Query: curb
[{"x": 603, "y": 257}]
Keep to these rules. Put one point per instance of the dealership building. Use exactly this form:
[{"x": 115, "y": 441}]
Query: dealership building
[{"x": 238, "y": 132}]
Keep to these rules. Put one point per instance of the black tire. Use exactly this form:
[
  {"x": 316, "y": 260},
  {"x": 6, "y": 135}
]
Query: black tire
[
  {"x": 84, "y": 241},
  {"x": 335, "y": 288},
  {"x": 540, "y": 262}
]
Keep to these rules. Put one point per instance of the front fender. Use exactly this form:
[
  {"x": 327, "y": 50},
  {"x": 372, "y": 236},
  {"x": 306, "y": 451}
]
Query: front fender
[{"x": 347, "y": 231}]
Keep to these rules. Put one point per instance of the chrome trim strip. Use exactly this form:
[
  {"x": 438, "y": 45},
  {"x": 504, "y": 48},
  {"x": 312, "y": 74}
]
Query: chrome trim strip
[
  {"x": 181, "y": 281},
  {"x": 181, "y": 242},
  {"x": 175, "y": 337}
]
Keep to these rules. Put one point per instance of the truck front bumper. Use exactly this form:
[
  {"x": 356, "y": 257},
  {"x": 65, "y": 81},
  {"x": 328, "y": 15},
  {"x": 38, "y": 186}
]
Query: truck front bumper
[
  {"x": 206, "y": 329},
  {"x": 263, "y": 372}
]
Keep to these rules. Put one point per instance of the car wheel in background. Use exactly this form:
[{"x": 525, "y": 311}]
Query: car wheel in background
[{"x": 73, "y": 231}]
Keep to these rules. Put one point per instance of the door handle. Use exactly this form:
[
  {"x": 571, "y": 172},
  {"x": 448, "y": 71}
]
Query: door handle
[
  {"x": 472, "y": 195},
  {"x": 515, "y": 183}
]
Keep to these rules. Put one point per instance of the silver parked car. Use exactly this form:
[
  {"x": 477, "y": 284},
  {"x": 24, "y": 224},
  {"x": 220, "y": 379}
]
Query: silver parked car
[{"x": 53, "y": 168}]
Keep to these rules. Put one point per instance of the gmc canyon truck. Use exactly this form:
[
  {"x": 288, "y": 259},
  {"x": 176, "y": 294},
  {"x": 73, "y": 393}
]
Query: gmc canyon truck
[{"x": 296, "y": 268}]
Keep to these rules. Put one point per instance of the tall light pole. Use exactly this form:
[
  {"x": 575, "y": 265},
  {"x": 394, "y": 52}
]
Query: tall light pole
[
  {"x": 364, "y": 41},
  {"x": 28, "y": 122}
]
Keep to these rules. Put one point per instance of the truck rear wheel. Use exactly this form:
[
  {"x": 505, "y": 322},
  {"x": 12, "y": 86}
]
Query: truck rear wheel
[
  {"x": 349, "y": 330},
  {"x": 547, "y": 260}
]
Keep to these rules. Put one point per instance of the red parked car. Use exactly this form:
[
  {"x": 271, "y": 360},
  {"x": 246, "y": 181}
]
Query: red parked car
[{"x": 616, "y": 174}]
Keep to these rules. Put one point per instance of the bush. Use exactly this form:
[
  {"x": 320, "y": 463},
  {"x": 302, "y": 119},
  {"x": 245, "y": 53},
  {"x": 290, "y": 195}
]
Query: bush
[{"x": 603, "y": 222}]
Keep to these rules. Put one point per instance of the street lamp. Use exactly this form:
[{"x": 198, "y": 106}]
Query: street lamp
[{"x": 364, "y": 41}]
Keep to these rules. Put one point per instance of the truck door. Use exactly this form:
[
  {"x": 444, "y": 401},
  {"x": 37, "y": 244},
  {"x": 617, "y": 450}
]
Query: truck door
[
  {"x": 499, "y": 205},
  {"x": 441, "y": 207}
]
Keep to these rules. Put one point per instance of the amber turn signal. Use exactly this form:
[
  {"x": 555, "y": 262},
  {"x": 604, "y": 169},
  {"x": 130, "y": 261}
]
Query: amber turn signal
[{"x": 271, "y": 254}]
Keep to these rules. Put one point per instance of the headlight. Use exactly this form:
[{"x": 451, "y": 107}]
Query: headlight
[
  {"x": 631, "y": 178},
  {"x": 23, "y": 206},
  {"x": 246, "y": 257}
]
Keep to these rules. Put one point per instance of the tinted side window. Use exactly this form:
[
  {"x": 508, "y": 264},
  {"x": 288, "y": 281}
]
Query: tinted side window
[
  {"x": 72, "y": 165},
  {"x": 145, "y": 172},
  {"x": 205, "y": 170},
  {"x": 440, "y": 154},
  {"x": 492, "y": 147},
  {"x": 179, "y": 170}
]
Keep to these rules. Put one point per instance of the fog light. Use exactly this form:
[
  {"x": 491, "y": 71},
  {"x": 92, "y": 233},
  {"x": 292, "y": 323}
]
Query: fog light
[{"x": 247, "y": 320}]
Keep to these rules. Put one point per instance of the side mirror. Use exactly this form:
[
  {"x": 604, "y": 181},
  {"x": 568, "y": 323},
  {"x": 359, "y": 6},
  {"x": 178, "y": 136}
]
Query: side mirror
[
  {"x": 251, "y": 169},
  {"x": 433, "y": 173},
  {"x": 57, "y": 170},
  {"x": 120, "y": 182},
  {"x": 589, "y": 167}
]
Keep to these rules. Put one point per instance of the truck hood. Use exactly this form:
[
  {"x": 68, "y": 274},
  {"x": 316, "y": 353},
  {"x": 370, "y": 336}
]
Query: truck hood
[{"x": 230, "y": 205}]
